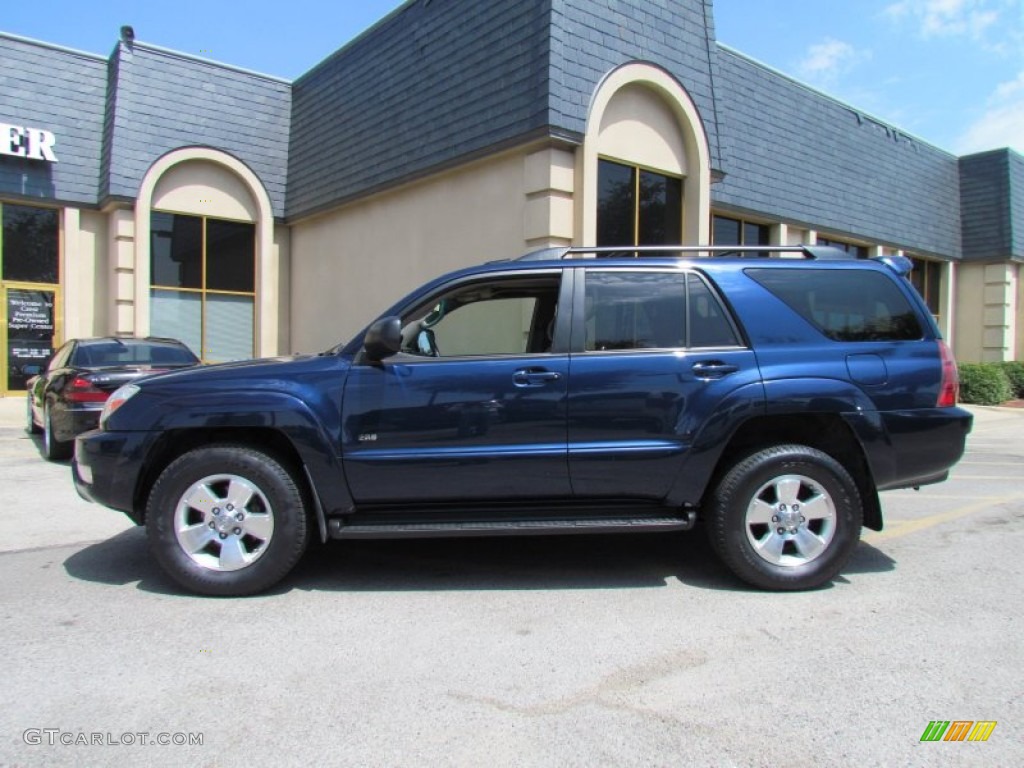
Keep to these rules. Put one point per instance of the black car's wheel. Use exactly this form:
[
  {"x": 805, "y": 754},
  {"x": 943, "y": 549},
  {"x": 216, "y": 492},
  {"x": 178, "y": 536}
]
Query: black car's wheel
[
  {"x": 30, "y": 425},
  {"x": 785, "y": 518},
  {"x": 226, "y": 520},
  {"x": 53, "y": 449}
]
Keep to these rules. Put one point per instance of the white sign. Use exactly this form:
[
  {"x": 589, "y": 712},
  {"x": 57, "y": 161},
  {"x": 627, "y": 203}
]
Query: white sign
[{"x": 33, "y": 143}]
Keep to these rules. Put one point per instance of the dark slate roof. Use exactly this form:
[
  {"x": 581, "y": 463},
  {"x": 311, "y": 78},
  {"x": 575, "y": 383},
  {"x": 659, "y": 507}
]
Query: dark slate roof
[
  {"x": 992, "y": 195},
  {"x": 591, "y": 37},
  {"x": 432, "y": 83},
  {"x": 58, "y": 90},
  {"x": 794, "y": 153},
  {"x": 165, "y": 100},
  {"x": 436, "y": 83}
]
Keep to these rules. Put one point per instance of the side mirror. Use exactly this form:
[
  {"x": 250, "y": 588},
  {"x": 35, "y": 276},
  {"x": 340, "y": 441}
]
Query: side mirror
[
  {"x": 31, "y": 370},
  {"x": 383, "y": 339}
]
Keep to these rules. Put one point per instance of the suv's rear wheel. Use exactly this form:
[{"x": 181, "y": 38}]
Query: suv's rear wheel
[
  {"x": 785, "y": 518},
  {"x": 226, "y": 520}
]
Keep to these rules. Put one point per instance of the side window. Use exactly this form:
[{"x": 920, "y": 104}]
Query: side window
[
  {"x": 634, "y": 310},
  {"x": 503, "y": 316},
  {"x": 844, "y": 304},
  {"x": 709, "y": 324}
]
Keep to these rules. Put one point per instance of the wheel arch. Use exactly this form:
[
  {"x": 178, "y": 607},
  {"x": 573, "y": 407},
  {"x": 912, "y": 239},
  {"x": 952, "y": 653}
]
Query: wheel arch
[
  {"x": 830, "y": 433},
  {"x": 310, "y": 468}
]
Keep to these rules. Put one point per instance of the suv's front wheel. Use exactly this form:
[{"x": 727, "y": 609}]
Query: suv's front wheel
[
  {"x": 226, "y": 520},
  {"x": 785, "y": 518}
]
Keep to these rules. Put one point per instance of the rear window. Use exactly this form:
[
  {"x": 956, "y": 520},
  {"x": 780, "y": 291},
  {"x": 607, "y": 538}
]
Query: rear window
[
  {"x": 844, "y": 304},
  {"x": 113, "y": 354}
]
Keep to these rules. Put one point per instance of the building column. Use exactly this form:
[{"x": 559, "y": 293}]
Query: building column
[
  {"x": 121, "y": 247},
  {"x": 998, "y": 335},
  {"x": 79, "y": 276},
  {"x": 548, "y": 182}
]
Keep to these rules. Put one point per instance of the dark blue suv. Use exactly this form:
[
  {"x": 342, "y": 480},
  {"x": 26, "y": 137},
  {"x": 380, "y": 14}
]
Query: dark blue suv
[{"x": 576, "y": 390}]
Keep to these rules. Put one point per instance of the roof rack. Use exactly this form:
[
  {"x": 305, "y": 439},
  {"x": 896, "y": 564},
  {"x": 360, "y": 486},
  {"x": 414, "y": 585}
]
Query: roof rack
[{"x": 820, "y": 252}]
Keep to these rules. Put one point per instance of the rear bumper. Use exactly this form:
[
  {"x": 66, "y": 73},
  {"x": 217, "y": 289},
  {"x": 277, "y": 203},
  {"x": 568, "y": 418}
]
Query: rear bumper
[
  {"x": 106, "y": 468},
  {"x": 923, "y": 445}
]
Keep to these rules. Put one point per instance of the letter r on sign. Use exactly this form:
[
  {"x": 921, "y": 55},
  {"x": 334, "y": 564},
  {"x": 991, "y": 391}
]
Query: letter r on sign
[{"x": 40, "y": 145}]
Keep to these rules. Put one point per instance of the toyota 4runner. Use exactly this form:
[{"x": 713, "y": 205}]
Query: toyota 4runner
[{"x": 768, "y": 393}]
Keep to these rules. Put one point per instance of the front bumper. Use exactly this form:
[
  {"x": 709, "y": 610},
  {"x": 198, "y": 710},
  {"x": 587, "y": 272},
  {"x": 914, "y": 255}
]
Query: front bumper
[{"x": 106, "y": 468}]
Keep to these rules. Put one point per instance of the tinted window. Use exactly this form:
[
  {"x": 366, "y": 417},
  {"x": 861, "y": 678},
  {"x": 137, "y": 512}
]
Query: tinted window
[
  {"x": 29, "y": 244},
  {"x": 637, "y": 206},
  {"x": 616, "y": 203},
  {"x": 709, "y": 325},
  {"x": 115, "y": 353},
  {"x": 176, "y": 250},
  {"x": 845, "y": 305},
  {"x": 231, "y": 256},
  {"x": 661, "y": 209},
  {"x": 635, "y": 310}
]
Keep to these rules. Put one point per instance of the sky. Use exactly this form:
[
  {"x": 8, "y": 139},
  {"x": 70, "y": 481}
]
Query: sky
[{"x": 950, "y": 72}]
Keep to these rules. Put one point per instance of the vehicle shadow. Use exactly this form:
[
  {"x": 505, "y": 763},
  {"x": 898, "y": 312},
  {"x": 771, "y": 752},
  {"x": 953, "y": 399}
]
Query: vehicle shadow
[
  {"x": 628, "y": 561},
  {"x": 37, "y": 443}
]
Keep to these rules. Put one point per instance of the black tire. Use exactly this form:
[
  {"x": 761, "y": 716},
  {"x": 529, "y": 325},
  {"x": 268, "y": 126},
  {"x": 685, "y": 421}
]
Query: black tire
[
  {"x": 203, "y": 550},
  {"x": 53, "y": 449},
  {"x": 30, "y": 423},
  {"x": 786, "y": 517}
]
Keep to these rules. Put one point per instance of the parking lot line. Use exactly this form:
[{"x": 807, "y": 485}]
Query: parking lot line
[{"x": 903, "y": 527}]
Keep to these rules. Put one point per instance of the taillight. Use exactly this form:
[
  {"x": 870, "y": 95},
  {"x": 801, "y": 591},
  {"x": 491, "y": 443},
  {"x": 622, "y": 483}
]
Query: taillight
[
  {"x": 949, "y": 389},
  {"x": 84, "y": 391}
]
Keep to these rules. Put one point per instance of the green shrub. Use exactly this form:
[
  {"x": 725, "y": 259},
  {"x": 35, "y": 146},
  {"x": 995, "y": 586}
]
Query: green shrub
[
  {"x": 984, "y": 384},
  {"x": 1014, "y": 371}
]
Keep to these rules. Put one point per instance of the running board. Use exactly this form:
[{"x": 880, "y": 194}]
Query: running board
[{"x": 549, "y": 527}]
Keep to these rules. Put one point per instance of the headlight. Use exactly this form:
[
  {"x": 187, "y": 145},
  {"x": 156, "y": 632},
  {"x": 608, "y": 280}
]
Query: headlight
[{"x": 121, "y": 396}]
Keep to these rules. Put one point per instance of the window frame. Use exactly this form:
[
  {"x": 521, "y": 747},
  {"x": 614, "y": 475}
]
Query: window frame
[
  {"x": 743, "y": 224},
  {"x": 858, "y": 251},
  {"x": 636, "y": 170},
  {"x": 203, "y": 292},
  {"x": 579, "y": 331},
  {"x": 562, "y": 318},
  {"x": 923, "y": 267}
]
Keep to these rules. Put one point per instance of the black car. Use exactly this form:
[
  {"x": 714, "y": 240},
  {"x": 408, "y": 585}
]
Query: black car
[{"x": 66, "y": 397}]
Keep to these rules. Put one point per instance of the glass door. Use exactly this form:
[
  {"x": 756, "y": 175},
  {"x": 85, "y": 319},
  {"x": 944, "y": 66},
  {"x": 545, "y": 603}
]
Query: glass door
[{"x": 30, "y": 331}]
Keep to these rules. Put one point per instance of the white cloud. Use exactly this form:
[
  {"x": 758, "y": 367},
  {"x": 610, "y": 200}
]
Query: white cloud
[
  {"x": 948, "y": 18},
  {"x": 829, "y": 58},
  {"x": 1002, "y": 123}
]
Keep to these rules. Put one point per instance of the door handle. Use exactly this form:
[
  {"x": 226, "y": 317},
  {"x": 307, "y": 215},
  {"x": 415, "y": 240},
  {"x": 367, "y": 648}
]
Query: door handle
[
  {"x": 534, "y": 377},
  {"x": 713, "y": 369}
]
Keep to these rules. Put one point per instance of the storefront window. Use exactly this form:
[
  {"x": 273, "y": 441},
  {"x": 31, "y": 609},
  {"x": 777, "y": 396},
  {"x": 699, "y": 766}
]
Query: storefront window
[
  {"x": 857, "y": 251},
  {"x": 30, "y": 244},
  {"x": 926, "y": 276},
  {"x": 30, "y": 271},
  {"x": 204, "y": 284},
  {"x": 729, "y": 231},
  {"x": 637, "y": 206}
]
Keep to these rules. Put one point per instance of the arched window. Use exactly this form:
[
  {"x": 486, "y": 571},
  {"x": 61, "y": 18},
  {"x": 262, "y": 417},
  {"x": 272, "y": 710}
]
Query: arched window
[
  {"x": 646, "y": 165},
  {"x": 206, "y": 267}
]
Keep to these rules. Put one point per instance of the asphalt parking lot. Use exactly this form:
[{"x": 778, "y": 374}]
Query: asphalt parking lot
[{"x": 588, "y": 651}]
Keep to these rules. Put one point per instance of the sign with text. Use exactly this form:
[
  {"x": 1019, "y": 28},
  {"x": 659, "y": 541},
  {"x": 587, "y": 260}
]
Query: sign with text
[
  {"x": 31, "y": 143},
  {"x": 30, "y": 329}
]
